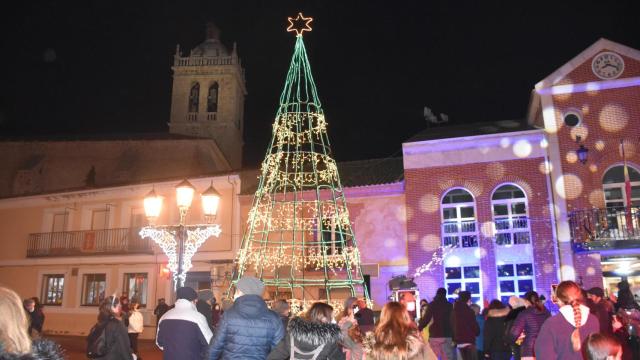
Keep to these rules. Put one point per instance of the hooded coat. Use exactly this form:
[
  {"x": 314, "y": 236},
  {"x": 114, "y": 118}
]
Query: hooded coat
[
  {"x": 309, "y": 337},
  {"x": 248, "y": 330},
  {"x": 494, "y": 332},
  {"x": 40, "y": 350}
]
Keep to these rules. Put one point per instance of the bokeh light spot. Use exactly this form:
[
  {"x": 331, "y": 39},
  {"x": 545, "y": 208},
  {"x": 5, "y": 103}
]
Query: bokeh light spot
[
  {"x": 522, "y": 148},
  {"x": 569, "y": 186},
  {"x": 613, "y": 118},
  {"x": 429, "y": 203}
]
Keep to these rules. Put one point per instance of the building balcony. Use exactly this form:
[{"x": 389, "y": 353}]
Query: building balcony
[
  {"x": 612, "y": 228},
  {"x": 88, "y": 242}
]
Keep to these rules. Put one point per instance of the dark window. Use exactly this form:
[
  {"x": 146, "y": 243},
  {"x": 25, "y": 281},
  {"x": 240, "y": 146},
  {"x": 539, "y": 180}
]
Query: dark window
[
  {"x": 571, "y": 119},
  {"x": 135, "y": 287},
  {"x": 471, "y": 272},
  {"x": 194, "y": 98},
  {"x": 457, "y": 196},
  {"x": 473, "y": 287},
  {"x": 453, "y": 288},
  {"x": 524, "y": 269},
  {"x": 505, "y": 270},
  {"x": 507, "y": 286},
  {"x": 212, "y": 98},
  {"x": 453, "y": 273},
  {"x": 525, "y": 285}
]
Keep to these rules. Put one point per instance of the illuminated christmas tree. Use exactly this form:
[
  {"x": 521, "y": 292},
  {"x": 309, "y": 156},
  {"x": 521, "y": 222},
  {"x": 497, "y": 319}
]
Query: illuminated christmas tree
[{"x": 299, "y": 238}]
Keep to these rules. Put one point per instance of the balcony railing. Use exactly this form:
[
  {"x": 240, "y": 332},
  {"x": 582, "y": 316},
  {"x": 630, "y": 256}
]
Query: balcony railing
[
  {"x": 605, "y": 229},
  {"x": 88, "y": 242}
]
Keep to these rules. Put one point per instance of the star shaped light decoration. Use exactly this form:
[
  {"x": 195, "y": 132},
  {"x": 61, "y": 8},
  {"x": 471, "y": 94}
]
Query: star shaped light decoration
[{"x": 300, "y": 24}]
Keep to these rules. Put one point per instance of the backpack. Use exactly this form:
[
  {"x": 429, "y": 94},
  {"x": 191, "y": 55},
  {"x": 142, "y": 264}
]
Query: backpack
[{"x": 97, "y": 341}]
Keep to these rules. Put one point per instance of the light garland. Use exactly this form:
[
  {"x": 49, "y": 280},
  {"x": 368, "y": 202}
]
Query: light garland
[
  {"x": 299, "y": 218},
  {"x": 166, "y": 238},
  {"x": 435, "y": 260}
]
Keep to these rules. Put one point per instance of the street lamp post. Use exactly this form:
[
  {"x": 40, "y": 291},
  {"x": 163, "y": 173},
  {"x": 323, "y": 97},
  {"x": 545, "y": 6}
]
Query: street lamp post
[{"x": 180, "y": 242}]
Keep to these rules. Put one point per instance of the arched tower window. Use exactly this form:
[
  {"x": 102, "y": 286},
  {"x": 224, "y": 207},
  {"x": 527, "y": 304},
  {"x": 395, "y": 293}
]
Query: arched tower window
[
  {"x": 459, "y": 219},
  {"x": 509, "y": 205},
  {"x": 212, "y": 98},
  {"x": 194, "y": 98}
]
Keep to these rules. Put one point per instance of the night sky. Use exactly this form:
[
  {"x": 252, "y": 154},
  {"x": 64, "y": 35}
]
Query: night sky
[{"x": 73, "y": 67}]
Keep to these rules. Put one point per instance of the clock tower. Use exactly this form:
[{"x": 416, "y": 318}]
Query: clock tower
[{"x": 208, "y": 93}]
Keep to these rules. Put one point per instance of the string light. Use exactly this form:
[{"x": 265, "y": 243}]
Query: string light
[
  {"x": 166, "y": 238},
  {"x": 299, "y": 222}
]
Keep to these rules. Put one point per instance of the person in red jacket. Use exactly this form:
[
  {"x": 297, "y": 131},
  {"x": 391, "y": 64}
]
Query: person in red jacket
[{"x": 465, "y": 327}]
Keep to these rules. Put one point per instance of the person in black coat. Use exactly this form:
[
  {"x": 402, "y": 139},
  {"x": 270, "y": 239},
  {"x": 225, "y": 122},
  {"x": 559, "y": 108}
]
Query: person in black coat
[
  {"x": 495, "y": 344},
  {"x": 440, "y": 331},
  {"x": 314, "y": 337},
  {"x": 364, "y": 317},
  {"x": 465, "y": 326},
  {"x": 117, "y": 338},
  {"x": 204, "y": 306},
  {"x": 36, "y": 317},
  {"x": 160, "y": 309}
]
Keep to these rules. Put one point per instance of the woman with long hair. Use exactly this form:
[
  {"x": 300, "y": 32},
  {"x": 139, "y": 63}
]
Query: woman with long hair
[
  {"x": 314, "y": 336},
  {"x": 136, "y": 326},
  {"x": 351, "y": 335},
  {"x": 562, "y": 335},
  {"x": 527, "y": 325},
  {"x": 396, "y": 336},
  {"x": 117, "y": 342},
  {"x": 15, "y": 342}
]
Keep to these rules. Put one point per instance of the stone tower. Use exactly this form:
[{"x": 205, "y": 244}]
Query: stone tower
[{"x": 208, "y": 95}]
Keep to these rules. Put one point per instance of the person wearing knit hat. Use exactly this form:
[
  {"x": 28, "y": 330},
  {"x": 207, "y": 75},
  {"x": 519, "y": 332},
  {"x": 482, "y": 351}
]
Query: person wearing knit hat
[
  {"x": 205, "y": 307},
  {"x": 248, "y": 330}
]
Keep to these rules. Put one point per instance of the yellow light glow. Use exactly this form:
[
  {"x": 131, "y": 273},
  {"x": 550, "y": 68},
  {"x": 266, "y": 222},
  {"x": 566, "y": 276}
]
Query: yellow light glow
[
  {"x": 152, "y": 205},
  {"x": 571, "y": 157},
  {"x": 580, "y": 130},
  {"x": 522, "y": 148},
  {"x": 429, "y": 203},
  {"x": 495, "y": 171},
  {"x": 613, "y": 118},
  {"x": 184, "y": 194},
  {"x": 569, "y": 186}
]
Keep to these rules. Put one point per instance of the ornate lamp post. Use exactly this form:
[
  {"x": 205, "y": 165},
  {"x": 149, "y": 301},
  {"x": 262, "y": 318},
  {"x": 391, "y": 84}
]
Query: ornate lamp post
[{"x": 180, "y": 242}]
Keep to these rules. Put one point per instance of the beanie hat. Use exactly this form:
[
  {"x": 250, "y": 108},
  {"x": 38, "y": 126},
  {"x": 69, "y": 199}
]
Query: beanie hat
[
  {"x": 250, "y": 285},
  {"x": 186, "y": 293}
]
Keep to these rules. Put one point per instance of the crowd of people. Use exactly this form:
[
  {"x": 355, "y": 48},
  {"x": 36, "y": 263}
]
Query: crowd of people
[{"x": 575, "y": 324}]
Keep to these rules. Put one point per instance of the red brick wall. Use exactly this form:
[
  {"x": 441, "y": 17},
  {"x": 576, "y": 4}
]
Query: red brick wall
[
  {"x": 583, "y": 73},
  {"x": 424, "y": 190}
]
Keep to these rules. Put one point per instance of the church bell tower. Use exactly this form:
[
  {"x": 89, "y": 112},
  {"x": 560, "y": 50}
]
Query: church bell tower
[{"x": 208, "y": 95}]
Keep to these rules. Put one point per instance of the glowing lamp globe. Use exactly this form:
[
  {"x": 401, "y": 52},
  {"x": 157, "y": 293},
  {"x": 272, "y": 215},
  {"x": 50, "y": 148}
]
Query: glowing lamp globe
[
  {"x": 184, "y": 194},
  {"x": 210, "y": 202},
  {"x": 152, "y": 206}
]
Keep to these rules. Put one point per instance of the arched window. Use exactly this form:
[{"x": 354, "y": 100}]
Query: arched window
[
  {"x": 212, "y": 98},
  {"x": 459, "y": 219},
  {"x": 613, "y": 186},
  {"x": 194, "y": 96},
  {"x": 509, "y": 206}
]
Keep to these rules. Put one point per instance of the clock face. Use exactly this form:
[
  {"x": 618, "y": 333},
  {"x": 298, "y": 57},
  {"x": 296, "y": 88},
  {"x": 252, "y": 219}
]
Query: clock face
[{"x": 607, "y": 65}]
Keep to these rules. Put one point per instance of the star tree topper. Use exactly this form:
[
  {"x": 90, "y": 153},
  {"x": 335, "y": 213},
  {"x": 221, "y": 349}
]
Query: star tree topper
[{"x": 300, "y": 24}]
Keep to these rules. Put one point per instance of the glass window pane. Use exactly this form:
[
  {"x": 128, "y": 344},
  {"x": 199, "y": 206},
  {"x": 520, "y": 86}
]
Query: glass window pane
[
  {"x": 457, "y": 196},
  {"x": 521, "y": 238},
  {"x": 505, "y": 299},
  {"x": 613, "y": 193},
  {"x": 524, "y": 269},
  {"x": 635, "y": 192},
  {"x": 472, "y": 272},
  {"x": 518, "y": 208},
  {"x": 473, "y": 287},
  {"x": 525, "y": 285},
  {"x": 450, "y": 241},
  {"x": 503, "y": 239},
  {"x": 135, "y": 287},
  {"x": 469, "y": 241},
  {"x": 453, "y": 288},
  {"x": 500, "y": 210},
  {"x": 449, "y": 213},
  {"x": 502, "y": 224},
  {"x": 453, "y": 273},
  {"x": 94, "y": 286},
  {"x": 507, "y": 286},
  {"x": 59, "y": 222},
  {"x": 505, "y": 270},
  {"x": 467, "y": 212}
]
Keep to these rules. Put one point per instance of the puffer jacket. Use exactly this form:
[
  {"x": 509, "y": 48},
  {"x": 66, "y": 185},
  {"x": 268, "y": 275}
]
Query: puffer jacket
[
  {"x": 312, "y": 340},
  {"x": 248, "y": 330},
  {"x": 40, "y": 350},
  {"x": 528, "y": 321}
]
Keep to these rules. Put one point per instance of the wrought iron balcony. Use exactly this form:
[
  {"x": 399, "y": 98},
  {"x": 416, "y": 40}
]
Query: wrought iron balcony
[
  {"x": 88, "y": 242},
  {"x": 605, "y": 229}
]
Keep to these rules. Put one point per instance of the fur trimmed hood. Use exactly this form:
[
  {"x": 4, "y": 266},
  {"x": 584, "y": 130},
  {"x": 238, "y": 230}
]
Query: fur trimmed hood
[
  {"x": 312, "y": 333},
  {"x": 40, "y": 350}
]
